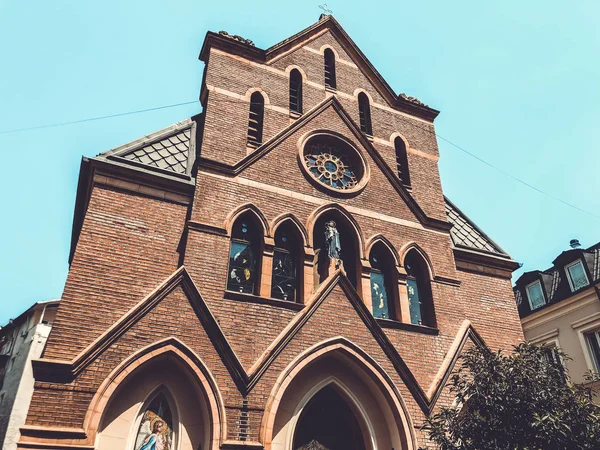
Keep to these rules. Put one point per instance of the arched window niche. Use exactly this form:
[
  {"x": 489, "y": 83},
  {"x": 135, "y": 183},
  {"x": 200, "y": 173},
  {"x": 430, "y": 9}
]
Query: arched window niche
[
  {"x": 384, "y": 282},
  {"x": 156, "y": 425},
  {"x": 364, "y": 111},
  {"x": 245, "y": 253},
  {"x": 288, "y": 267},
  {"x": 255, "y": 120},
  {"x": 418, "y": 286},
  {"x": 402, "y": 161},
  {"x": 296, "y": 91},
  {"x": 349, "y": 248},
  {"x": 329, "y": 67}
]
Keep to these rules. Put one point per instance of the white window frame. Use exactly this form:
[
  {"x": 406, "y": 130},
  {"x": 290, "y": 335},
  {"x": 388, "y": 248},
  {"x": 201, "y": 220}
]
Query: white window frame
[
  {"x": 583, "y": 327},
  {"x": 529, "y": 297},
  {"x": 568, "y": 266}
]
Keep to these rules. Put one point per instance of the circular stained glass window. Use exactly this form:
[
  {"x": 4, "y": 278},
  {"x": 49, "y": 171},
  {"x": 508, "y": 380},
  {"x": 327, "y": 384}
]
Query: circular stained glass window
[{"x": 333, "y": 163}]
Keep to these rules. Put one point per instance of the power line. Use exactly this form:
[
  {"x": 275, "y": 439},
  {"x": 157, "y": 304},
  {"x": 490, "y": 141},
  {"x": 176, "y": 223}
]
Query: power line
[
  {"x": 504, "y": 172},
  {"x": 91, "y": 119}
]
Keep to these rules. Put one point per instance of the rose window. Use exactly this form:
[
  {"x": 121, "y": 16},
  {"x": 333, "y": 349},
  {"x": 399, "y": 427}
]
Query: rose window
[{"x": 332, "y": 165}]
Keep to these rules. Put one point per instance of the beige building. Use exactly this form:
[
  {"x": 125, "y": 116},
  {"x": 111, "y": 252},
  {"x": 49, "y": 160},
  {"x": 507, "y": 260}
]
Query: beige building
[
  {"x": 21, "y": 340},
  {"x": 560, "y": 308}
]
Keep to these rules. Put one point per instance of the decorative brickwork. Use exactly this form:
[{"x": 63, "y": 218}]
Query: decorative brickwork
[{"x": 145, "y": 308}]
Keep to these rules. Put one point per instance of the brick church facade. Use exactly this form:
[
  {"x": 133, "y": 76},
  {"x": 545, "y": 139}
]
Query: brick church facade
[{"x": 281, "y": 271}]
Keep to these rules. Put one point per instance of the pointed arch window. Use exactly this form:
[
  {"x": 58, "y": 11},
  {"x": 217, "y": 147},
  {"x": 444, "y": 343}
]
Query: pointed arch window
[
  {"x": 255, "y": 119},
  {"x": 364, "y": 111},
  {"x": 286, "y": 264},
  {"x": 418, "y": 286},
  {"x": 329, "y": 60},
  {"x": 156, "y": 426},
  {"x": 295, "y": 91},
  {"x": 244, "y": 256},
  {"x": 402, "y": 161},
  {"x": 382, "y": 282}
]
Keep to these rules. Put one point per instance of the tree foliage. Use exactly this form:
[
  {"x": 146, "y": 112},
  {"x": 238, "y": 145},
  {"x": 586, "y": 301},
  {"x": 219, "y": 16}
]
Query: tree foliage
[{"x": 517, "y": 401}]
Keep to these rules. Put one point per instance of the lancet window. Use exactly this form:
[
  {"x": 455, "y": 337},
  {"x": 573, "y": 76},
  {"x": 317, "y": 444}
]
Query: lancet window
[{"x": 244, "y": 255}]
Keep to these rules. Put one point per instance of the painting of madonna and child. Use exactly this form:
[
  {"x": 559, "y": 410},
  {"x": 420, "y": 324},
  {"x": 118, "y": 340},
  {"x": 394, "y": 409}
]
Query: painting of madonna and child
[{"x": 156, "y": 427}]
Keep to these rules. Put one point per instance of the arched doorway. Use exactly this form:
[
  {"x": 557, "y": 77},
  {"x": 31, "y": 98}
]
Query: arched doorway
[
  {"x": 160, "y": 401},
  {"x": 371, "y": 406},
  {"x": 328, "y": 422}
]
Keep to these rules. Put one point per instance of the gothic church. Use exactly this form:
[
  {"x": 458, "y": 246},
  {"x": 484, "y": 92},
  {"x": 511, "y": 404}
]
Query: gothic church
[{"x": 280, "y": 272}]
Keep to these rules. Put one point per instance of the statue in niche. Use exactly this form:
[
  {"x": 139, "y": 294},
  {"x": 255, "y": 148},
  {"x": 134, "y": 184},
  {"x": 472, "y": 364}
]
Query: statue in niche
[{"x": 332, "y": 241}]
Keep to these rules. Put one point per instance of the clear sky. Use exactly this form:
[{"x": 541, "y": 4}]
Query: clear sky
[{"x": 517, "y": 84}]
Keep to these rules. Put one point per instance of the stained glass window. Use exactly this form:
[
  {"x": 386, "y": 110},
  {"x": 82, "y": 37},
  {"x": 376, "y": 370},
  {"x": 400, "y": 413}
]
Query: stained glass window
[
  {"x": 414, "y": 305},
  {"x": 242, "y": 259},
  {"x": 331, "y": 166},
  {"x": 420, "y": 301},
  {"x": 284, "y": 282},
  {"x": 156, "y": 426},
  {"x": 380, "y": 297}
]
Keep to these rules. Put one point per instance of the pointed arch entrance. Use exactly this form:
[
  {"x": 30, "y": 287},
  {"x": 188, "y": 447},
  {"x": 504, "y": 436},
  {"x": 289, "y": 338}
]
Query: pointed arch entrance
[
  {"x": 161, "y": 393},
  {"x": 335, "y": 378},
  {"x": 329, "y": 420}
]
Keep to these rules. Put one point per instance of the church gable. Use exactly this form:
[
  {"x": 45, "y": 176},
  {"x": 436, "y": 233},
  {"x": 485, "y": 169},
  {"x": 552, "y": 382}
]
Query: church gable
[
  {"x": 349, "y": 75},
  {"x": 377, "y": 189}
]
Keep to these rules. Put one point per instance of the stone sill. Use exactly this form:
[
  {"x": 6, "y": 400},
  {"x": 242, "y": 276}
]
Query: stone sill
[
  {"x": 252, "y": 298},
  {"x": 387, "y": 323}
]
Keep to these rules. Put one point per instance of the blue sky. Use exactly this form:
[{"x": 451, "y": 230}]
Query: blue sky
[{"x": 517, "y": 84}]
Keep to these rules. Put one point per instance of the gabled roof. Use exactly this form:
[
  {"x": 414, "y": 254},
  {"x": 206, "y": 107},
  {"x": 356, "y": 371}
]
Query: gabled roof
[
  {"x": 170, "y": 151},
  {"x": 245, "y": 48},
  {"x": 466, "y": 234}
]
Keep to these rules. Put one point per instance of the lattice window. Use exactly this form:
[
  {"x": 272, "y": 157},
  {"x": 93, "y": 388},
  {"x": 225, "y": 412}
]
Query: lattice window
[
  {"x": 255, "y": 119},
  {"x": 364, "y": 110},
  {"x": 295, "y": 91},
  {"x": 329, "y": 59},
  {"x": 402, "y": 161}
]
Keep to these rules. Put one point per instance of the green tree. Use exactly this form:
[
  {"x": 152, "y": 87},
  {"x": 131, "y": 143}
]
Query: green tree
[{"x": 517, "y": 401}]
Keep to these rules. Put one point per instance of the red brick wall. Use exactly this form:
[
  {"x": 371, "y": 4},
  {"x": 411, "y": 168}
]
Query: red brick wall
[{"x": 129, "y": 244}]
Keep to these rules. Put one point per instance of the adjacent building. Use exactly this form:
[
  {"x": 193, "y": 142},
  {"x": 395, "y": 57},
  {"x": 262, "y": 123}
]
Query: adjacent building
[
  {"x": 21, "y": 340},
  {"x": 560, "y": 308},
  {"x": 280, "y": 271}
]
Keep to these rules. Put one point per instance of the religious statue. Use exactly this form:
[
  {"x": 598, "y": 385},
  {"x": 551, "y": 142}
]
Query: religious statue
[{"x": 332, "y": 240}]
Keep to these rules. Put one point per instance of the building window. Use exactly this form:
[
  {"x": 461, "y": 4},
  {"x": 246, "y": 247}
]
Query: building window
[
  {"x": 418, "y": 287},
  {"x": 244, "y": 267},
  {"x": 255, "y": 120},
  {"x": 382, "y": 282},
  {"x": 295, "y": 91},
  {"x": 364, "y": 112},
  {"x": 576, "y": 276},
  {"x": 593, "y": 341},
  {"x": 286, "y": 264},
  {"x": 156, "y": 426},
  {"x": 402, "y": 161},
  {"x": 329, "y": 59},
  {"x": 535, "y": 295}
]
